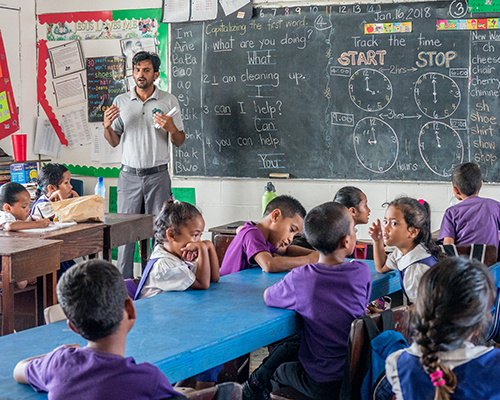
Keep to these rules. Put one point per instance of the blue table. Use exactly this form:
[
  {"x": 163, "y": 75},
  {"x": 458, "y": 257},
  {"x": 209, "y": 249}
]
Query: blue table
[{"x": 182, "y": 333}]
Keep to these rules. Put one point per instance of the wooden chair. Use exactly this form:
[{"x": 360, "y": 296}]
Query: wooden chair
[
  {"x": 221, "y": 243},
  {"x": 487, "y": 254},
  {"x": 223, "y": 391},
  {"x": 359, "y": 348},
  {"x": 26, "y": 301}
]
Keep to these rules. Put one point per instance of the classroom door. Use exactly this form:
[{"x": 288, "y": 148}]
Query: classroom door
[{"x": 10, "y": 20}]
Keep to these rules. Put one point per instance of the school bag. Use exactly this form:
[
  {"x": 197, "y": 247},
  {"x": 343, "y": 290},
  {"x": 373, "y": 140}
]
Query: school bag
[{"x": 375, "y": 384}]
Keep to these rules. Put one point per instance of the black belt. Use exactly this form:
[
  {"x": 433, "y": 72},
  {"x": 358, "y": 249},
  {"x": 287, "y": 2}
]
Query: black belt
[{"x": 144, "y": 171}]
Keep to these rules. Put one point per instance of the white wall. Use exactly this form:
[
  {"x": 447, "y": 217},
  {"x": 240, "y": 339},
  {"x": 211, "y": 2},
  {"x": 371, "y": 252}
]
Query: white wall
[
  {"x": 25, "y": 89},
  {"x": 226, "y": 200}
]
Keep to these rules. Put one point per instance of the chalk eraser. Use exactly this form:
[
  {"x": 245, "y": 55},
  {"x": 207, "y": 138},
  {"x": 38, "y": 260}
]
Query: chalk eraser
[{"x": 279, "y": 175}]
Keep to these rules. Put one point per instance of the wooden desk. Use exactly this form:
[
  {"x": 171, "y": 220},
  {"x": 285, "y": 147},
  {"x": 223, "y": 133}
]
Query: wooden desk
[
  {"x": 25, "y": 259},
  {"x": 128, "y": 228},
  {"x": 79, "y": 240},
  {"x": 182, "y": 333},
  {"x": 226, "y": 229}
]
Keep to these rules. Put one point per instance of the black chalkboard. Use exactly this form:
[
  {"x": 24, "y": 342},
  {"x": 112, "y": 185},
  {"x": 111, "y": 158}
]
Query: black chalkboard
[
  {"x": 105, "y": 81},
  {"x": 322, "y": 92}
]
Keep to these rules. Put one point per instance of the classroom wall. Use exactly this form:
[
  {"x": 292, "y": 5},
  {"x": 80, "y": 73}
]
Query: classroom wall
[
  {"x": 25, "y": 90},
  {"x": 226, "y": 200}
]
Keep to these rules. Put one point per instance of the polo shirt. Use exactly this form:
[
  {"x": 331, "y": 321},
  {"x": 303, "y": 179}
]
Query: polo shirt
[{"x": 143, "y": 145}]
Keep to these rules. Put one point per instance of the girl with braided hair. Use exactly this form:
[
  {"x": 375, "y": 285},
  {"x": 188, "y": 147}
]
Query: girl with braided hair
[{"x": 454, "y": 304}]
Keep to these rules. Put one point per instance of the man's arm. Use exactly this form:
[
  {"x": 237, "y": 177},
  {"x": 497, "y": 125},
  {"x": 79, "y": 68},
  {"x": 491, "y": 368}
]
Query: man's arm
[
  {"x": 280, "y": 264},
  {"x": 110, "y": 135}
]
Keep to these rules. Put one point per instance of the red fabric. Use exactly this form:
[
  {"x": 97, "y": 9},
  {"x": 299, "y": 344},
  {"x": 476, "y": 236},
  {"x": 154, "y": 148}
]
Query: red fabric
[{"x": 74, "y": 17}]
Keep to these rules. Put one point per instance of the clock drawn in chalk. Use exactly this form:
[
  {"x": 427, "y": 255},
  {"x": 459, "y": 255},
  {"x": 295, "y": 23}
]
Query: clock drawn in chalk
[
  {"x": 376, "y": 144},
  {"x": 370, "y": 89},
  {"x": 437, "y": 95},
  {"x": 440, "y": 147}
]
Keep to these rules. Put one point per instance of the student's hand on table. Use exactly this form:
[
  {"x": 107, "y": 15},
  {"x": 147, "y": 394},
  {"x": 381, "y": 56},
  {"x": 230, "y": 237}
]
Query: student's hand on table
[
  {"x": 110, "y": 115},
  {"x": 375, "y": 231},
  {"x": 73, "y": 195},
  {"x": 43, "y": 222},
  {"x": 56, "y": 196}
]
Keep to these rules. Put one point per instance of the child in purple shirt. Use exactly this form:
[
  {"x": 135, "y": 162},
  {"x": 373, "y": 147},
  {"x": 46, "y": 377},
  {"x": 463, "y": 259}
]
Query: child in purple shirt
[
  {"x": 329, "y": 295},
  {"x": 256, "y": 244},
  {"x": 94, "y": 298},
  {"x": 475, "y": 220}
]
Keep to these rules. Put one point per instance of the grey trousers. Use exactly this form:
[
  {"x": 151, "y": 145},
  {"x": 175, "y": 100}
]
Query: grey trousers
[{"x": 137, "y": 195}]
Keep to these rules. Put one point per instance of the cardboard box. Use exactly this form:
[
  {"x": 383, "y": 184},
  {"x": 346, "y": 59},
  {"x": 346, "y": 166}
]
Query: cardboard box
[{"x": 23, "y": 172}]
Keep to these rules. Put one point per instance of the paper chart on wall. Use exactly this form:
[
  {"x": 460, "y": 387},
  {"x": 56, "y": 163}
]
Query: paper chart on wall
[
  {"x": 46, "y": 140},
  {"x": 76, "y": 128},
  {"x": 69, "y": 90},
  {"x": 230, "y": 6},
  {"x": 175, "y": 11},
  {"x": 101, "y": 150},
  {"x": 203, "y": 10},
  {"x": 66, "y": 59}
]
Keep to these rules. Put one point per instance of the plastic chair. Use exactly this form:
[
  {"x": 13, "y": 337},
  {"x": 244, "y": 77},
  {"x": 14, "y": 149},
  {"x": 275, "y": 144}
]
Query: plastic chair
[
  {"x": 53, "y": 314},
  {"x": 77, "y": 186}
]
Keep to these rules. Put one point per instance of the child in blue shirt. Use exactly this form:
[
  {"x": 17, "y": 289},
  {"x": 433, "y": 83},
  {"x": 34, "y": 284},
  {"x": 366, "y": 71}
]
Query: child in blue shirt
[{"x": 454, "y": 303}]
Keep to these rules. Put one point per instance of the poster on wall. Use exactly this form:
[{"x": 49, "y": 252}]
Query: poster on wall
[
  {"x": 105, "y": 81},
  {"x": 66, "y": 59},
  {"x": 9, "y": 120},
  {"x": 132, "y": 46}
]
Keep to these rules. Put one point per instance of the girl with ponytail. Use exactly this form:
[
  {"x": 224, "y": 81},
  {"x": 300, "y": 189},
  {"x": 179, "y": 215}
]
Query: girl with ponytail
[{"x": 454, "y": 304}]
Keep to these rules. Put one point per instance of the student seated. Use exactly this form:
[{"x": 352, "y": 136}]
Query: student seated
[
  {"x": 94, "y": 298},
  {"x": 454, "y": 304},
  {"x": 257, "y": 244},
  {"x": 475, "y": 220},
  {"x": 180, "y": 260},
  {"x": 329, "y": 295}
]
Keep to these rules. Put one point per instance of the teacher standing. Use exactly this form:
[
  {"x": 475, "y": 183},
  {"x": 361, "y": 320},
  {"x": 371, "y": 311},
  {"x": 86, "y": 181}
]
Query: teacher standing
[{"x": 144, "y": 182}]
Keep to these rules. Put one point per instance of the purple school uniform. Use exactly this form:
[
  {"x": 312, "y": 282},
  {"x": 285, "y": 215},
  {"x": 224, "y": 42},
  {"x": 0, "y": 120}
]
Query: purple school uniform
[
  {"x": 329, "y": 298},
  {"x": 84, "y": 373},
  {"x": 475, "y": 220},
  {"x": 247, "y": 243}
]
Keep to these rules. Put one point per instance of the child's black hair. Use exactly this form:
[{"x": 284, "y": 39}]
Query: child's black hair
[
  {"x": 454, "y": 301},
  {"x": 467, "y": 178},
  {"x": 349, "y": 196},
  {"x": 9, "y": 193},
  {"x": 146, "y": 55},
  {"x": 92, "y": 294},
  {"x": 288, "y": 206},
  {"x": 417, "y": 215},
  {"x": 325, "y": 225},
  {"x": 50, "y": 174},
  {"x": 174, "y": 214}
]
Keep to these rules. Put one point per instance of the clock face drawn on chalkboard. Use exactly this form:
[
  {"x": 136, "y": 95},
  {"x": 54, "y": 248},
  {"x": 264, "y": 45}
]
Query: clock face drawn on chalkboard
[
  {"x": 441, "y": 147},
  {"x": 376, "y": 144},
  {"x": 370, "y": 89},
  {"x": 437, "y": 95}
]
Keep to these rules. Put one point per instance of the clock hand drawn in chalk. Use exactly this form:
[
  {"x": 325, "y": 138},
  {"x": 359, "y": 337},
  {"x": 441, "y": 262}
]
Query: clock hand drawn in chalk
[
  {"x": 441, "y": 147},
  {"x": 376, "y": 144},
  {"x": 437, "y": 95},
  {"x": 370, "y": 89}
]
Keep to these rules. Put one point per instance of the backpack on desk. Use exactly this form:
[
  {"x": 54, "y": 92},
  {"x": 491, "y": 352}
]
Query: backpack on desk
[{"x": 375, "y": 384}]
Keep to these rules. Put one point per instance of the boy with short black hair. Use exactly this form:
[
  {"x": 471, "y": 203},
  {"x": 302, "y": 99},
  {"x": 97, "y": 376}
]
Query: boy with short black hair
[
  {"x": 94, "y": 298},
  {"x": 476, "y": 220},
  {"x": 256, "y": 244},
  {"x": 329, "y": 295}
]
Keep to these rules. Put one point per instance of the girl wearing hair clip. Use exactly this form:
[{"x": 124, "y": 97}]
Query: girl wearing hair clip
[
  {"x": 454, "y": 305},
  {"x": 407, "y": 227}
]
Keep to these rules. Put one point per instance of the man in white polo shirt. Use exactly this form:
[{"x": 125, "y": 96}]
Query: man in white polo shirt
[{"x": 139, "y": 119}]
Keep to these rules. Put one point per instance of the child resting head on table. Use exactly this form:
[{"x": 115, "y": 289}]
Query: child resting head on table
[
  {"x": 329, "y": 295},
  {"x": 94, "y": 298},
  {"x": 267, "y": 243}
]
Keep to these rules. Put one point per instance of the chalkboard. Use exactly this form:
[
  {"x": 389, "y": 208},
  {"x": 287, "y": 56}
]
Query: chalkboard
[
  {"x": 105, "y": 81},
  {"x": 372, "y": 91}
]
